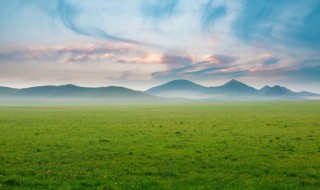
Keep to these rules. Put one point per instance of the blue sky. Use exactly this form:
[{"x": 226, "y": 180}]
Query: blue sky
[{"x": 142, "y": 43}]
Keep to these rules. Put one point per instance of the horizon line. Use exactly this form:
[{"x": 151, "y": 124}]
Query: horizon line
[{"x": 119, "y": 86}]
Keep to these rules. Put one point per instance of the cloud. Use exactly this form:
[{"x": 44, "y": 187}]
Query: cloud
[
  {"x": 278, "y": 21},
  {"x": 176, "y": 60},
  {"x": 210, "y": 65},
  {"x": 159, "y": 9},
  {"x": 12, "y": 55},
  {"x": 145, "y": 58},
  {"x": 73, "y": 16},
  {"x": 220, "y": 59},
  {"x": 67, "y": 52},
  {"x": 271, "y": 61},
  {"x": 49, "y": 7},
  {"x": 212, "y": 13},
  {"x": 84, "y": 64},
  {"x": 308, "y": 71},
  {"x": 309, "y": 32},
  {"x": 69, "y": 13}
]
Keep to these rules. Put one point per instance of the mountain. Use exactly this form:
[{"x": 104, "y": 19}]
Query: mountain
[
  {"x": 280, "y": 91},
  {"x": 310, "y": 94},
  {"x": 177, "y": 85},
  {"x": 232, "y": 90},
  {"x": 179, "y": 88},
  {"x": 6, "y": 90},
  {"x": 264, "y": 89},
  {"x": 234, "y": 87},
  {"x": 53, "y": 91},
  {"x": 72, "y": 92},
  {"x": 188, "y": 89}
]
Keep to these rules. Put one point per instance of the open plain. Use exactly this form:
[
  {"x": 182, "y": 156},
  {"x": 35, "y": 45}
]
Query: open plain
[{"x": 220, "y": 145}]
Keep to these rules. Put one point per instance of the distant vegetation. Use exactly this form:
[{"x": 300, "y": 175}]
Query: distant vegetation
[{"x": 269, "y": 145}]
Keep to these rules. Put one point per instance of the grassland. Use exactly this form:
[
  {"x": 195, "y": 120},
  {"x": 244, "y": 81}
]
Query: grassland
[{"x": 189, "y": 146}]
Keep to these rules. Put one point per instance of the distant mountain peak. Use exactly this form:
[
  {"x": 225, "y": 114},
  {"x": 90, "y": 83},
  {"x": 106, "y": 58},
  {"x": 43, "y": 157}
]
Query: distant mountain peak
[
  {"x": 180, "y": 81},
  {"x": 279, "y": 91},
  {"x": 265, "y": 89},
  {"x": 280, "y": 88},
  {"x": 235, "y": 87},
  {"x": 234, "y": 82},
  {"x": 69, "y": 86},
  {"x": 177, "y": 87}
]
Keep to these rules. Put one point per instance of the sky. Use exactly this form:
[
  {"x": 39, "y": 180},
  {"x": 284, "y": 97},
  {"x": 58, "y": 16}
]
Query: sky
[{"x": 143, "y": 43}]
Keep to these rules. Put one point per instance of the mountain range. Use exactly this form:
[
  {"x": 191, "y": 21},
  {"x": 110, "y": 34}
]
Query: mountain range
[
  {"x": 72, "y": 93},
  {"x": 233, "y": 90}
]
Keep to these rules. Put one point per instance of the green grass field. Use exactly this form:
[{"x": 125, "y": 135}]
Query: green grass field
[{"x": 271, "y": 145}]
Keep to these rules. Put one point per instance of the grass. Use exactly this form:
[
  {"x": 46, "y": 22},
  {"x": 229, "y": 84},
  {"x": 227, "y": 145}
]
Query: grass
[{"x": 189, "y": 146}]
